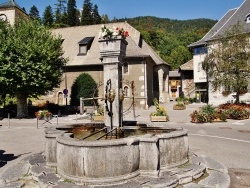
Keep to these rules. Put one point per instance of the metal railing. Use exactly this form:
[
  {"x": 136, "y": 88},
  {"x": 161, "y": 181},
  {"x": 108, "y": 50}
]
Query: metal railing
[{"x": 110, "y": 132}]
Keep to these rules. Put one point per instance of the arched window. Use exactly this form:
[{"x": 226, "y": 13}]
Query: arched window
[
  {"x": 248, "y": 18},
  {"x": 125, "y": 91}
]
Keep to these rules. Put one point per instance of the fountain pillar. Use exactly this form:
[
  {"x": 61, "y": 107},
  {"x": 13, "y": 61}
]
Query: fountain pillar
[{"x": 112, "y": 51}]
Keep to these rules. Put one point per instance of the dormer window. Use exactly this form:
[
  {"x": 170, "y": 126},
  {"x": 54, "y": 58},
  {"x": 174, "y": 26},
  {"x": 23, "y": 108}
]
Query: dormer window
[
  {"x": 248, "y": 18},
  {"x": 84, "y": 45}
]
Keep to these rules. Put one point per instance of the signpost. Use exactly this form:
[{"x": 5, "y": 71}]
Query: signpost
[{"x": 65, "y": 92}]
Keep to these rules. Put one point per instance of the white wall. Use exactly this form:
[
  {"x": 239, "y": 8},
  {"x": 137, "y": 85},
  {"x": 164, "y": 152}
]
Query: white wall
[{"x": 199, "y": 73}]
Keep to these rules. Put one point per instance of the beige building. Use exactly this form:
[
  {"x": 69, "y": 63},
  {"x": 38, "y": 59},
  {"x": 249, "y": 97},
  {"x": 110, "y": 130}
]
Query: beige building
[
  {"x": 202, "y": 47},
  {"x": 186, "y": 71},
  {"x": 142, "y": 65},
  {"x": 11, "y": 11}
]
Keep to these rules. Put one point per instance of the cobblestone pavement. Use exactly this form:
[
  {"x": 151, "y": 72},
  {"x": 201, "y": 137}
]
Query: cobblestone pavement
[{"x": 20, "y": 138}]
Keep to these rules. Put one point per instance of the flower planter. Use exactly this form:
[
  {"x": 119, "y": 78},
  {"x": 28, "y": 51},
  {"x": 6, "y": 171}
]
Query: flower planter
[
  {"x": 98, "y": 118},
  {"x": 159, "y": 118},
  {"x": 218, "y": 120},
  {"x": 175, "y": 107},
  {"x": 116, "y": 45}
]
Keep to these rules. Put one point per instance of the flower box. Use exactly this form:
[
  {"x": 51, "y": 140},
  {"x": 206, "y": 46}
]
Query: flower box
[
  {"x": 159, "y": 118},
  {"x": 116, "y": 46},
  {"x": 176, "y": 107},
  {"x": 98, "y": 118},
  {"x": 43, "y": 115},
  {"x": 218, "y": 120}
]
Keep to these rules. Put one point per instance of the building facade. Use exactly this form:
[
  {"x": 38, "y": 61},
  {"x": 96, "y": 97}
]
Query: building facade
[
  {"x": 141, "y": 66},
  {"x": 145, "y": 74},
  {"x": 10, "y": 11},
  {"x": 187, "y": 79},
  {"x": 201, "y": 48}
]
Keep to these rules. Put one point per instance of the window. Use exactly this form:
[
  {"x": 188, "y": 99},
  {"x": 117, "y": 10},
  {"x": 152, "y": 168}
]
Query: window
[
  {"x": 248, "y": 18},
  {"x": 199, "y": 67},
  {"x": 125, "y": 91},
  {"x": 82, "y": 49},
  {"x": 84, "y": 45},
  {"x": 125, "y": 68}
]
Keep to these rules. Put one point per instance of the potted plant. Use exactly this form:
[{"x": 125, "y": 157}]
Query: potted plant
[
  {"x": 237, "y": 112},
  {"x": 107, "y": 33},
  {"x": 180, "y": 105},
  {"x": 208, "y": 114},
  {"x": 43, "y": 114},
  {"x": 160, "y": 114}
]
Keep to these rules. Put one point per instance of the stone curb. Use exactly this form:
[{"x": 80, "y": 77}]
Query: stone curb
[{"x": 34, "y": 168}]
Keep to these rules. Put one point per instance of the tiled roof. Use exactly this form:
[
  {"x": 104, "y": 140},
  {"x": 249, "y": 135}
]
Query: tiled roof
[
  {"x": 72, "y": 36},
  {"x": 214, "y": 29},
  {"x": 232, "y": 17},
  {"x": 187, "y": 66},
  {"x": 238, "y": 16}
]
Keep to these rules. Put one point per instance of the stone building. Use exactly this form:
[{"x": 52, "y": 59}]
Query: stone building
[
  {"x": 239, "y": 15},
  {"x": 142, "y": 65},
  {"x": 11, "y": 11},
  {"x": 187, "y": 79}
]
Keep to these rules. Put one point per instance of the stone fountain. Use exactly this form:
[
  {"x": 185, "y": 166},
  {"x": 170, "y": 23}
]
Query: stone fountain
[{"x": 105, "y": 161}]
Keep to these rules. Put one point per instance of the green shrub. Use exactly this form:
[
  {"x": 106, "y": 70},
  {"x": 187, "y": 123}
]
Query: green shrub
[
  {"x": 237, "y": 112},
  {"x": 84, "y": 86},
  {"x": 208, "y": 114}
]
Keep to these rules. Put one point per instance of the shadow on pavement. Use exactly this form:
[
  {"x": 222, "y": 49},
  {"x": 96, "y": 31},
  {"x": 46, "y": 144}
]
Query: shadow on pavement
[{"x": 4, "y": 158}]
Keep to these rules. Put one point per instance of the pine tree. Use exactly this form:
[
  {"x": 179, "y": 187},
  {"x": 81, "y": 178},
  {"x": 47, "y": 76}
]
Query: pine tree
[
  {"x": 60, "y": 10},
  {"x": 64, "y": 19},
  {"x": 87, "y": 18},
  {"x": 61, "y": 6},
  {"x": 105, "y": 19},
  {"x": 96, "y": 17},
  {"x": 48, "y": 18},
  {"x": 72, "y": 13},
  {"x": 34, "y": 13}
]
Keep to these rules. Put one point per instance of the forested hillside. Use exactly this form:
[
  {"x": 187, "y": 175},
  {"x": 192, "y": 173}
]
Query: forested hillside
[{"x": 169, "y": 38}]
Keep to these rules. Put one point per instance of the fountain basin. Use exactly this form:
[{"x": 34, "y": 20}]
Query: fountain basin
[{"x": 107, "y": 161}]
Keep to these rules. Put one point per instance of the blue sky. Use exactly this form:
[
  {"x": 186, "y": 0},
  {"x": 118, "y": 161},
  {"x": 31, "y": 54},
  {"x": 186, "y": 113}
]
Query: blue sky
[{"x": 173, "y": 9}]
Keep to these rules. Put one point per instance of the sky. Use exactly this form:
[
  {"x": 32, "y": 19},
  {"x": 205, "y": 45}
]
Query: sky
[{"x": 173, "y": 9}]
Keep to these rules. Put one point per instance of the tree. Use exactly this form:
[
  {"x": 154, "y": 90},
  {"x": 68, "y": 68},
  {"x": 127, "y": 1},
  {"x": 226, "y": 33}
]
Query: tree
[
  {"x": 105, "y": 19},
  {"x": 96, "y": 16},
  {"x": 3, "y": 33},
  {"x": 87, "y": 18},
  {"x": 84, "y": 86},
  {"x": 179, "y": 55},
  {"x": 48, "y": 18},
  {"x": 60, "y": 12},
  {"x": 30, "y": 62},
  {"x": 227, "y": 63},
  {"x": 72, "y": 13},
  {"x": 34, "y": 13}
]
